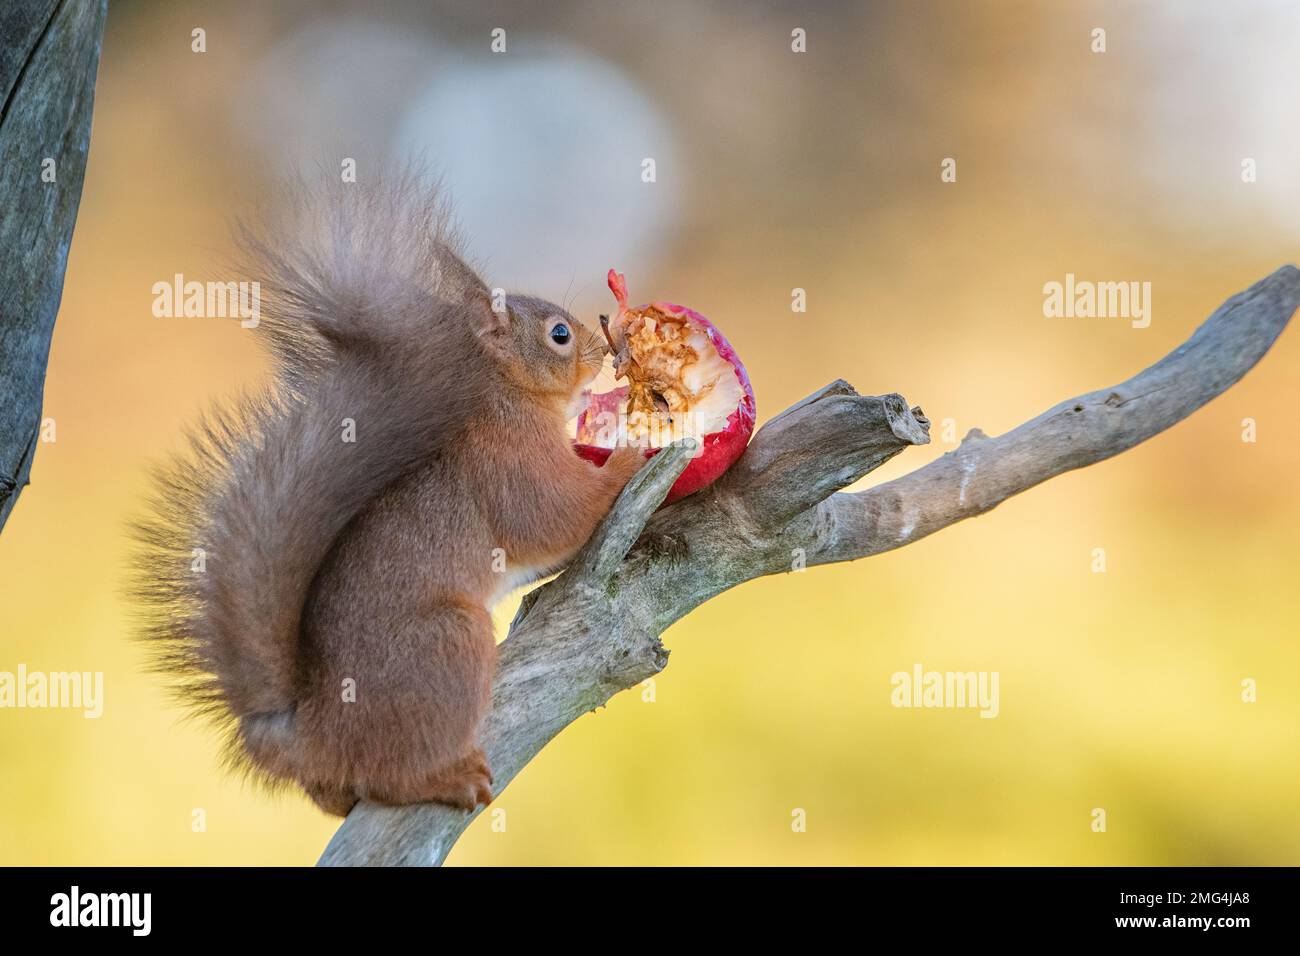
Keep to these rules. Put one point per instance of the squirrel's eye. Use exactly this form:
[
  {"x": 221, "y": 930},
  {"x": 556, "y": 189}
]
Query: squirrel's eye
[{"x": 560, "y": 334}]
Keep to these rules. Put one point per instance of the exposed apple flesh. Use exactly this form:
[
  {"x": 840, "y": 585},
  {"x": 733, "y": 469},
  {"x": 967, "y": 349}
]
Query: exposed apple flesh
[{"x": 684, "y": 380}]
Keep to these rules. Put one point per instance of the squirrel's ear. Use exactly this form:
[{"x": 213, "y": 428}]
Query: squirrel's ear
[{"x": 491, "y": 319}]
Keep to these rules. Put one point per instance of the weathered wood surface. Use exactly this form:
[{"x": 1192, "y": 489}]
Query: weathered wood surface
[{"x": 49, "y": 54}]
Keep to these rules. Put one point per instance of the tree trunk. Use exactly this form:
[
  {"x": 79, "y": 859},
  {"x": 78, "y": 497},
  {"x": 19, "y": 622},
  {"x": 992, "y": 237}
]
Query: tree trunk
[{"x": 49, "y": 54}]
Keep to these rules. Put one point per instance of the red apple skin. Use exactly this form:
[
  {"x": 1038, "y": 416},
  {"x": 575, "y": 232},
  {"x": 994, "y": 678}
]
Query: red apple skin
[{"x": 721, "y": 448}]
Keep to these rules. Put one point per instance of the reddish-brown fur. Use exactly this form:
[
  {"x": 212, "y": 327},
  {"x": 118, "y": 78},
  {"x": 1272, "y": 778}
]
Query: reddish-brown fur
[{"x": 341, "y": 615}]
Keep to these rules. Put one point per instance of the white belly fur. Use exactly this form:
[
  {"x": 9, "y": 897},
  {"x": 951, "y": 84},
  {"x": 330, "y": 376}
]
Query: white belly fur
[{"x": 517, "y": 576}]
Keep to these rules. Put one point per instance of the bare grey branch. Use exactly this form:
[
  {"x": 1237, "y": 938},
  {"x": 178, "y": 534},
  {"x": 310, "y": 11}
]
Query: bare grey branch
[{"x": 594, "y": 631}]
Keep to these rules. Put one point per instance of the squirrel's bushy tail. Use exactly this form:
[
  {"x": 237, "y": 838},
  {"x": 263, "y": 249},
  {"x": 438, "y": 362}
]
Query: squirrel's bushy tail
[{"x": 369, "y": 311}]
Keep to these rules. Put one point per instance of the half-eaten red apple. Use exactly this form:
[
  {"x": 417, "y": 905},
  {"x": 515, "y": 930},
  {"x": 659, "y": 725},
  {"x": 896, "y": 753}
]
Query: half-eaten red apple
[{"x": 684, "y": 380}]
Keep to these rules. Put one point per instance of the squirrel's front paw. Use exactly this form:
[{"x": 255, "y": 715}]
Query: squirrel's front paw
[{"x": 626, "y": 460}]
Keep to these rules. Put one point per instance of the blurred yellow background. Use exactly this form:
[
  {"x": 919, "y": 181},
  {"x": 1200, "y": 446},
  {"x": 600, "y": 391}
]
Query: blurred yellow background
[{"x": 775, "y": 170}]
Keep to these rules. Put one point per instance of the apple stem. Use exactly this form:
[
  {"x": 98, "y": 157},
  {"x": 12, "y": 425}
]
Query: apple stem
[{"x": 604, "y": 327}]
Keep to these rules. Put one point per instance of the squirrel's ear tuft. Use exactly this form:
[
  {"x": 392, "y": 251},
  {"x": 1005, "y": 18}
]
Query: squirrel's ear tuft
[{"x": 453, "y": 278}]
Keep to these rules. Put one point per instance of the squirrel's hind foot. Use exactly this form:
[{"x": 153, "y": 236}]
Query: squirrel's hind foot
[{"x": 465, "y": 784}]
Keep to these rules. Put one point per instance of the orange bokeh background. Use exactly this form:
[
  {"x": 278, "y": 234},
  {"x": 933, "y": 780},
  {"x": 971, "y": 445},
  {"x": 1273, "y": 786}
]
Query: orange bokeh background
[{"x": 778, "y": 170}]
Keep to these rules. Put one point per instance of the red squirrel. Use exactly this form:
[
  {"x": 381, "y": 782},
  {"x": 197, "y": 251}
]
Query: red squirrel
[{"x": 317, "y": 570}]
